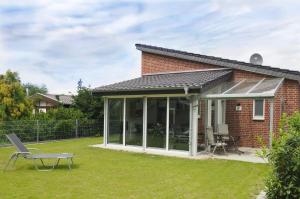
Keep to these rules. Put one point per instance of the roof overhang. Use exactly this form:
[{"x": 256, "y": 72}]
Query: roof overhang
[
  {"x": 46, "y": 98},
  {"x": 264, "y": 88},
  {"x": 194, "y": 82}
]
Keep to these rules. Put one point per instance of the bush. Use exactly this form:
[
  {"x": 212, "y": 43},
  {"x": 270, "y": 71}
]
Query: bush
[
  {"x": 284, "y": 157},
  {"x": 59, "y": 114},
  {"x": 61, "y": 123}
]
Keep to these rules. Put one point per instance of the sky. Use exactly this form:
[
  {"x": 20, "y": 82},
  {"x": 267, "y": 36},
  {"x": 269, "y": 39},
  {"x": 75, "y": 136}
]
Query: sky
[{"x": 58, "y": 42}]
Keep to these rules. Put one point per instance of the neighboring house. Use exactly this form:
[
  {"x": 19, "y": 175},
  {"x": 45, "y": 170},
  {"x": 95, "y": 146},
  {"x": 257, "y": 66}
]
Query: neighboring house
[
  {"x": 44, "y": 102},
  {"x": 180, "y": 94}
]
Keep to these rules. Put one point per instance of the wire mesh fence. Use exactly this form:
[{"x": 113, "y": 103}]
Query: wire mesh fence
[{"x": 47, "y": 130}]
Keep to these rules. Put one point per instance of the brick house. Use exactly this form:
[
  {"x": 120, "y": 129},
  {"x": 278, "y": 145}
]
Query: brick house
[
  {"x": 45, "y": 102},
  {"x": 179, "y": 95}
]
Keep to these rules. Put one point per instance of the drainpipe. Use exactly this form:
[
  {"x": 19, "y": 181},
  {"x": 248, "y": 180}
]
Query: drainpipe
[{"x": 186, "y": 90}]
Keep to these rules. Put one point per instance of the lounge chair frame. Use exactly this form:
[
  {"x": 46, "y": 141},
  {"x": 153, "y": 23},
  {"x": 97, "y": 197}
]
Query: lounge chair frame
[{"x": 26, "y": 154}]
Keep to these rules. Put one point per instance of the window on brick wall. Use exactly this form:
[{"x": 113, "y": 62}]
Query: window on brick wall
[{"x": 258, "y": 109}]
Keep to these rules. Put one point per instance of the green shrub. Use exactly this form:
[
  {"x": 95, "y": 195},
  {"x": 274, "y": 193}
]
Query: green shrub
[
  {"x": 59, "y": 114},
  {"x": 294, "y": 121},
  {"x": 284, "y": 157}
]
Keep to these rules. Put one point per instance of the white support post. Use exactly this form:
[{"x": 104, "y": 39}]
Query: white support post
[
  {"x": 144, "y": 123},
  {"x": 191, "y": 127},
  {"x": 124, "y": 120},
  {"x": 208, "y": 121},
  {"x": 194, "y": 125},
  {"x": 105, "y": 125},
  {"x": 209, "y": 113},
  {"x": 224, "y": 112},
  {"x": 271, "y": 112},
  {"x": 167, "y": 123},
  {"x": 219, "y": 112}
]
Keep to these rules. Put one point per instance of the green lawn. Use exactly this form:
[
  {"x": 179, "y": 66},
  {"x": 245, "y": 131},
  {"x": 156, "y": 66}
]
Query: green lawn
[{"x": 100, "y": 173}]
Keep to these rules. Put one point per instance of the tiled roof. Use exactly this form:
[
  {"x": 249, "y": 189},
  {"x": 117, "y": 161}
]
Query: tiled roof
[
  {"x": 168, "y": 81},
  {"x": 64, "y": 99},
  {"x": 234, "y": 64}
]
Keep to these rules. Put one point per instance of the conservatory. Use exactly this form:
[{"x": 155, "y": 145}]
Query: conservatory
[{"x": 161, "y": 113}]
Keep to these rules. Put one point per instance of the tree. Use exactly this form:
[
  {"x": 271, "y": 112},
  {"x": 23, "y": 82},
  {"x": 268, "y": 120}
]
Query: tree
[
  {"x": 284, "y": 158},
  {"x": 33, "y": 88},
  {"x": 90, "y": 105},
  {"x": 79, "y": 85},
  {"x": 13, "y": 101}
]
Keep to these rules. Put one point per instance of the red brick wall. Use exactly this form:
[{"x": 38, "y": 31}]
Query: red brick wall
[
  {"x": 240, "y": 123},
  {"x": 152, "y": 63}
]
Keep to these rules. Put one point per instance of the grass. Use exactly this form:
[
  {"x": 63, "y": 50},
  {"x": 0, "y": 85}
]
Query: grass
[{"x": 101, "y": 173}]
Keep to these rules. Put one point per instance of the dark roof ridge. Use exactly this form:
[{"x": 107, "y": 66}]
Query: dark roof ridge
[
  {"x": 186, "y": 71},
  {"x": 262, "y": 69}
]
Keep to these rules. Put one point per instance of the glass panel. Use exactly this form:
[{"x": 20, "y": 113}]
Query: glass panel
[
  {"x": 243, "y": 87},
  {"x": 156, "y": 122},
  {"x": 268, "y": 85},
  {"x": 259, "y": 108},
  {"x": 134, "y": 122},
  {"x": 221, "y": 88},
  {"x": 115, "y": 121},
  {"x": 179, "y": 123}
]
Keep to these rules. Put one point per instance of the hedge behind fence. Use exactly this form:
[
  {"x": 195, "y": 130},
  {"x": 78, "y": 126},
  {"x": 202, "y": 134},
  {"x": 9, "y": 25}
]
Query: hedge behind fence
[{"x": 41, "y": 130}]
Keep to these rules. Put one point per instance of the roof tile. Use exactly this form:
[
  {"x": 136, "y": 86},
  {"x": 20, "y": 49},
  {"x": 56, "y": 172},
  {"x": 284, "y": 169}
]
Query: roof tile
[{"x": 166, "y": 81}]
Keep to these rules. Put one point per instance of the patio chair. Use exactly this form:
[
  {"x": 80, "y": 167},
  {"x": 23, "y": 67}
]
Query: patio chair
[
  {"x": 25, "y": 153},
  {"x": 212, "y": 142},
  {"x": 223, "y": 130}
]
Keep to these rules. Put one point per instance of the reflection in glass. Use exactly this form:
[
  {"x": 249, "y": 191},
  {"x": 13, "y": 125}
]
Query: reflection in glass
[
  {"x": 243, "y": 87},
  {"x": 134, "y": 121},
  {"x": 259, "y": 108},
  {"x": 156, "y": 122},
  {"x": 268, "y": 85},
  {"x": 179, "y": 123},
  {"x": 115, "y": 121}
]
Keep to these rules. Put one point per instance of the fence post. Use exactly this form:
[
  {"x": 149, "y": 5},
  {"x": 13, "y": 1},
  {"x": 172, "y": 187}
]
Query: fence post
[
  {"x": 37, "y": 131},
  {"x": 76, "y": 128}
]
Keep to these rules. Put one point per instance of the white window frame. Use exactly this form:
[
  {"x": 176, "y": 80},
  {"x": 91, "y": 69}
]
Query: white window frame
[
  {"x": 145, "y": 106},
  {"x": 258, "y": 117}
]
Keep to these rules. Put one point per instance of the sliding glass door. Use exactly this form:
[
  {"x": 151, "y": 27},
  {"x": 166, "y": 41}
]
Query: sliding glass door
[
  {"x": 134, "y": 121},
  {"x": 156, "y": 122},
  {"x": 179, "y": 123},
  {"x": 115, "y": 121}
]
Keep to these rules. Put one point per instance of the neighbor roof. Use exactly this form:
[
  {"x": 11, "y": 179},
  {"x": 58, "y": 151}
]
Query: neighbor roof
[
  {"x": 234, "y": 64},
  {"x": 172, "y": 82},
  {"x": 63, "y": 99}
]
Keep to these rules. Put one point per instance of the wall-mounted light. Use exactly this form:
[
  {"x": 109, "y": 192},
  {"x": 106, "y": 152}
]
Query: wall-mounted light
[{"x": 238, "y": 107}]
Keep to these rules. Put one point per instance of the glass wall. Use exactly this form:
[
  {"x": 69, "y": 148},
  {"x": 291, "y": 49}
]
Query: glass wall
[
  {"x": 134, "y": 121},
  {"x": 156, "y": 122},
  {"x": 115, "y": 121},
  {"x": 179, "y": 123}
]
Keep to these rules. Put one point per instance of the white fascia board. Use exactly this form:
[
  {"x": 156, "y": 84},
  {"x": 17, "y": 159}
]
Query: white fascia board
[
  {"x": 241, "y": 95},
  {"x": 150, "y": 95}
]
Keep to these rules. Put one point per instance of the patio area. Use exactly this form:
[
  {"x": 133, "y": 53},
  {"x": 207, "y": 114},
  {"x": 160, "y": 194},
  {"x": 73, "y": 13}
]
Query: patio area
[{"x": 247, "y": 155}]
